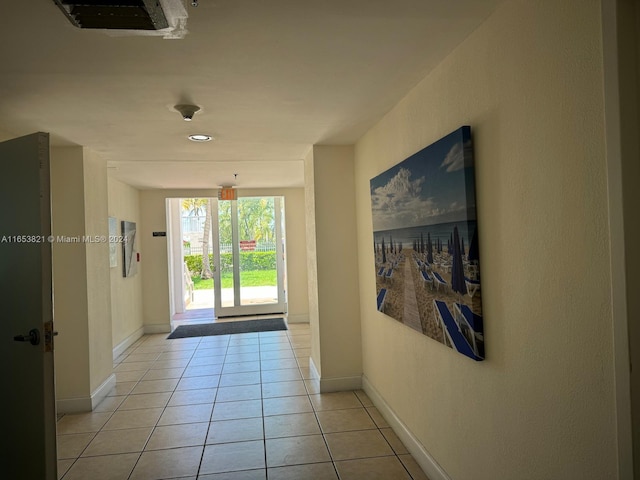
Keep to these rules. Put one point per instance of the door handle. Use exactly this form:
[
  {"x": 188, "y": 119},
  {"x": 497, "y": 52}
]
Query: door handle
[{"x": 33, "y": 337}]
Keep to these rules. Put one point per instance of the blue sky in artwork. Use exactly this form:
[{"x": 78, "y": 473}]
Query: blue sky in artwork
[{"x": 429, "y": 187}]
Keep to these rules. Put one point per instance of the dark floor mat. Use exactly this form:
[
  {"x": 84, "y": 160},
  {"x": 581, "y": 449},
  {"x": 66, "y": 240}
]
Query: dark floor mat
[{"x": 226, "y": 328}]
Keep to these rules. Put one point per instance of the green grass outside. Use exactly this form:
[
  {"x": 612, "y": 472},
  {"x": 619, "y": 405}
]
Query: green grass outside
[{"x": 253, "y": 278}]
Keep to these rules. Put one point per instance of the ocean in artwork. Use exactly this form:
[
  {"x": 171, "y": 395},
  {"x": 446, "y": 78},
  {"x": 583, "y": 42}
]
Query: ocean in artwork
[{"x": 426, "y": 244}]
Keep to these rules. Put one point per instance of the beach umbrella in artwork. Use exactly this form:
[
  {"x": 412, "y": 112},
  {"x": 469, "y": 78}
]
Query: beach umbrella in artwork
[
  {"x": 384, "y": 252},
  {"x": 462, "y": 246},
  {"x": 429, "y": 249},
  {"x": 457, "y": 269}
]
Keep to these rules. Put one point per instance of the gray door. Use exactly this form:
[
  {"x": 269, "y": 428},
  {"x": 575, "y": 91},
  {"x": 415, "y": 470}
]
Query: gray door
[{"x": 26, "y": 323}]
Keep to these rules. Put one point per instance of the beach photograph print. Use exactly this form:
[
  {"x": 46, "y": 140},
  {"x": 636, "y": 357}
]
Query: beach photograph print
[{"x": 425, "y": 239}]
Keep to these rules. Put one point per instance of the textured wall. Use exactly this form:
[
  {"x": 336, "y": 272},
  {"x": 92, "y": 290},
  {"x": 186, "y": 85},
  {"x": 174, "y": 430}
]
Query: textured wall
[
  {"x": 98, "y": 281},
  {"x": 337, "y": 267},
  {"x": 312, "y": 258},
  {"x": 82, "y": 291},
  {"x": 69, "y": 274},
  {"x": 529, "y": 82},
  {"x": 126, "y": 293}
]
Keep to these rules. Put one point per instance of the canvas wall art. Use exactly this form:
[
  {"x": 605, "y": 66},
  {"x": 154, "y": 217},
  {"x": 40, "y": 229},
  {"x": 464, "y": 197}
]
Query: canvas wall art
[
  {"x": 113, "y": 245},
  {"x": 425, "y": 238},
  {"x": 129, "y": 252}
]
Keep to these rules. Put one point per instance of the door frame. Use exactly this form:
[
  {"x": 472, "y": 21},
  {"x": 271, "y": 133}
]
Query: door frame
[
  {"x": 280, "y": 307},
  {"x": 621, "y": 45}
]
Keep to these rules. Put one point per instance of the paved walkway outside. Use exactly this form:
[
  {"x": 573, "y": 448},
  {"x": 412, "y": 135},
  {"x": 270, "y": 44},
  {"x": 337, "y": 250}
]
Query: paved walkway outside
[
  {"x": 249, "y": 295},
  {"x": 201, "y": 310}
]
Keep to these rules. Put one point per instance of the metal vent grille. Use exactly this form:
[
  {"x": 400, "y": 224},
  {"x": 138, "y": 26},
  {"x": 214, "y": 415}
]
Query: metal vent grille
[{"x": 115, "y": 14}]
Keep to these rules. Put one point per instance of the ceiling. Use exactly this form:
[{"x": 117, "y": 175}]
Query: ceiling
[{"x": 272, "y": 79}]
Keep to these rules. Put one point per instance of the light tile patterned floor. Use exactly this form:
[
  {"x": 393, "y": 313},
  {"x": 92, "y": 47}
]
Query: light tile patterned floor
[{"x": 233, "y": 407}]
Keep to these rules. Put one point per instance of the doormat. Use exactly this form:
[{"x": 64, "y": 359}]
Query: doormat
[{"x": 227, "y": 328}]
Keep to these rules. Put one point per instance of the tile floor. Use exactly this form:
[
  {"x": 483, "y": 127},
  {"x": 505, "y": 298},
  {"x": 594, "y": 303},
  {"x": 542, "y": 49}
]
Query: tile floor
[{"x": 235, "y": 407}]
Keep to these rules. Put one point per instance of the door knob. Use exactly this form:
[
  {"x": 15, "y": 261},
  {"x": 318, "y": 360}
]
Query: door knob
[{"x": 33, "y": 337}]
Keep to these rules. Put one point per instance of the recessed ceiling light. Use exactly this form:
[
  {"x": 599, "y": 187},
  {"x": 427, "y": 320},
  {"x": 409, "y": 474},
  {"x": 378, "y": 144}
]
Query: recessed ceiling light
[{"x": 199, "y": 137}]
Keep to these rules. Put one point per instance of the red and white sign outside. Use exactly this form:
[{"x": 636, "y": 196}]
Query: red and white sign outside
[{"x": 247, "y": 245}]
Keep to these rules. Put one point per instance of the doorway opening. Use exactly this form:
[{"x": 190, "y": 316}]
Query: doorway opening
[
  {"x": 244, "y": 241},
  {"x": 191, "y": 248}
]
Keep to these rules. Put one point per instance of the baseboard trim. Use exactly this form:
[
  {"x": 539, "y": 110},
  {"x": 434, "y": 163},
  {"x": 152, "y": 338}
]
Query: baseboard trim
[
  {"x": 313, "y": 369},
  {"x": 300, "y": 318},
  {"x": 420, "y": 454},
  {"x": 313, "y": 382},
  {"x": 73, "y": 405},
  {"x": 86, "y": 404},
  {"x": 156, "y": 328},
  {"x": 340, "y": 384},
  {"x": 127, "y": 342},
  {"x": 103, "y": 390}
]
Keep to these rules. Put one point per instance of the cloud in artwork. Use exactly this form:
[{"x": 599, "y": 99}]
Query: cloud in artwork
[
  {"x": 455, "y": 159},
  {"x": 399, "y": 202},
  {"x": 401, "y": 186},
  {"x": 456, "y": 207}
]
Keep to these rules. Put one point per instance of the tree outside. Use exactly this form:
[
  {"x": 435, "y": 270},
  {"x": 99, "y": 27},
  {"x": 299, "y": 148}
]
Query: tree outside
[{"x": 256, "y": 223}]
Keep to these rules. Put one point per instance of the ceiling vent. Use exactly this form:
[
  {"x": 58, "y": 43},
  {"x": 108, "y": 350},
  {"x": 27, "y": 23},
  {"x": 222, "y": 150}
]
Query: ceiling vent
[{"x": 128, "y": 17}]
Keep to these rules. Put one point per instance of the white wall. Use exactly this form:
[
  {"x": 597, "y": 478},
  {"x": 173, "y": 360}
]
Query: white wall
[
  {"x": 81, "y": 287},
  {"x": 69, "y": 274},
  {"x": 312, "y": 260},
  {"x": 529, "y": 82},
  {"x": 98, "y": 278},
  {"x": 126, "y": 292},
  {"x": 155, "y": 286},
  {"x": 336, "y": 352},
  {"x": 5, "y": 135},
  {"x": 296, "y": 243}
]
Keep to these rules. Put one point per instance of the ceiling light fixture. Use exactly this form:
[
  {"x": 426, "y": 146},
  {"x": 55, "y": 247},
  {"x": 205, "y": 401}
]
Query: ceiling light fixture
[
  {"x": 200, "y": 137},
  {"x": 187, "y": 111}
]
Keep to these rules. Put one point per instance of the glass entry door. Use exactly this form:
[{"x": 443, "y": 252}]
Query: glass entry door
[{"x": 249, "y": 256}]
